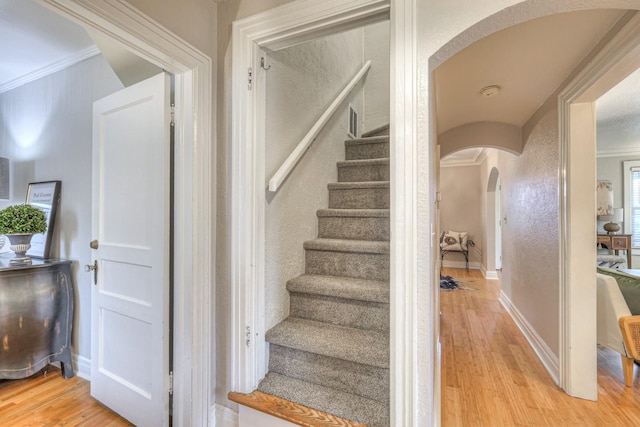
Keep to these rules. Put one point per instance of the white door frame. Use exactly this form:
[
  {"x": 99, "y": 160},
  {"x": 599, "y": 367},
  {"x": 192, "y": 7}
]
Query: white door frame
[
  {"x": 498, "y": 224},
  {"x": 578, "y": 361},
  {"x": 491, "y": 224},
  {"x": 194, "y": 188},
  {"x": 284, "y": 26}
]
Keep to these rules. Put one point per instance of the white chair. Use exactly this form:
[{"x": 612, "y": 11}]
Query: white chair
[
  {"x": 455, "y": 241},
  {"x": 618, "y": 330},
  {"x": 611, "y": 261}
]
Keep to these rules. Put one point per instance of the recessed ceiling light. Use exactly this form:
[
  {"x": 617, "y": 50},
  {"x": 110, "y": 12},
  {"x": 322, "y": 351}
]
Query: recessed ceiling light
[{"x": 489, "y": 91}]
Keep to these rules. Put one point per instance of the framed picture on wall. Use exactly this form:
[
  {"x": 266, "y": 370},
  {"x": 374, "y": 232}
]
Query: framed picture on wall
[{"x": 45, "y": 196}]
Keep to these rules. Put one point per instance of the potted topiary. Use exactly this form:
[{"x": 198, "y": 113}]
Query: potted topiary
[{"x": 19, "y": 223}]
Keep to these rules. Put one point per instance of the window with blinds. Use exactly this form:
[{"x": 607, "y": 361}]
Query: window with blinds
[{"x": 634, "y": 197}]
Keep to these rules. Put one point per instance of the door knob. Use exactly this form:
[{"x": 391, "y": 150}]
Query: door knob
[
  {"x": 93, "y": 267},
  {"x": 94, "y": 244}
]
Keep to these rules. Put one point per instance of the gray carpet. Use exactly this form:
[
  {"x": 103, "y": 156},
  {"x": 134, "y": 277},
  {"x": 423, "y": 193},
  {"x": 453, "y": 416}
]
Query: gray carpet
[{"x": 332, "y": 352}]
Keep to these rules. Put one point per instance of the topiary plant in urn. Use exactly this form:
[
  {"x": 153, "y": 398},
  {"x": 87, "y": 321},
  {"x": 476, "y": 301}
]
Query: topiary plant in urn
[{"x": 19, "y": 223}]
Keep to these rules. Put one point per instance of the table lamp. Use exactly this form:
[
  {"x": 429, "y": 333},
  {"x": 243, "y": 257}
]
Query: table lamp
[{"x": 613, "y": 226}]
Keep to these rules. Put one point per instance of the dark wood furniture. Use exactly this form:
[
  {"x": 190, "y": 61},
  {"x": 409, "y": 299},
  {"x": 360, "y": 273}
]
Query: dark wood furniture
[
  {"x": 616, "y": 243},
  {"x": 36, "y": 315}
]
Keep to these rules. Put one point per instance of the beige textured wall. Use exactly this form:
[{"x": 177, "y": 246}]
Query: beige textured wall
[
  {"x": 192, "y": 20},
  {"x": 302, "y": 82},
  {"x": 481, "y": 134},
  {"x": 461, "y": 206},
  {"x": 530, "y": 271},
  {"x": 376, "y": 97}
]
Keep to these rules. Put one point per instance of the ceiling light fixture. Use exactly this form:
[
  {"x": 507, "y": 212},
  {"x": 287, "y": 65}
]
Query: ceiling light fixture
[{"x": 489, "y": 91}]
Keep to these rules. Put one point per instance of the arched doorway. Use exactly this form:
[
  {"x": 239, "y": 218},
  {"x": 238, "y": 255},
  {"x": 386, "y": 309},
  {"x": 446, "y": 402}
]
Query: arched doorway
[{"x": 575, "y": 218}]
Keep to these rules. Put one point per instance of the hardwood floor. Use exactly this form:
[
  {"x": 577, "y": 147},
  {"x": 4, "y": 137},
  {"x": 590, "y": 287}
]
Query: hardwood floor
[
  {"x": 491, "y": 376},
  {"x": 50, "y": 400}
]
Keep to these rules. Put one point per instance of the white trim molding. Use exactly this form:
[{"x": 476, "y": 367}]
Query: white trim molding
[
  {"x": 82, "y": 366},
  {"x": 221, "y": 416},
  {"x": 626, "y": 152},
  {"x": 577, "y": 359},
  {"x": 194, "y": 188},
  {"x": 489, "y": 274},
  {"x": 277, "y": 28},
  {"x": 548, "y": 359},
  {"x": 50, "y": 68},
  {"x": 473, "y": 265}
]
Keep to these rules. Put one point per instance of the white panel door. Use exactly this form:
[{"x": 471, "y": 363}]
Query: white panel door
[{"x": 130, "y": 220}]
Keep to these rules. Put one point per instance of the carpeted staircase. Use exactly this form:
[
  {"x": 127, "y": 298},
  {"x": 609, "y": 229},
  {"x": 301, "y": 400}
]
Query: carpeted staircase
[{"x": 332, "y": 352}]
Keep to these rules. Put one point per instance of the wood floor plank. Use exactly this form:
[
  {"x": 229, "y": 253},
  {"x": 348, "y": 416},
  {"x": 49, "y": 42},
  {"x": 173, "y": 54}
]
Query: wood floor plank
[
  {"x": 50, "y": 400},
  {"x": 492, "y": 377}
]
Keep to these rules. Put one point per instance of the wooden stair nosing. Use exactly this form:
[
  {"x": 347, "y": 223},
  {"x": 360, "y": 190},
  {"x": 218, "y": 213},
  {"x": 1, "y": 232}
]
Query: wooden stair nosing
[{"x": 289, "y": 411}]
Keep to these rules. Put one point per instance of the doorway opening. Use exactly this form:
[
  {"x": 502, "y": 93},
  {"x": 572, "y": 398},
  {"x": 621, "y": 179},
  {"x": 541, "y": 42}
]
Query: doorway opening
[
  {"x": 498, "y": 220},
  {"x": 194, "y": 189}
]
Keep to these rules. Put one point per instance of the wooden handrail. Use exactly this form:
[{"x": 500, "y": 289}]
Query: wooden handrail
[{"x": 290, "y": 163}]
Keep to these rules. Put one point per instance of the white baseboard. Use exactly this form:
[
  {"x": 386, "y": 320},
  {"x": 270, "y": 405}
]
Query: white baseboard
[
  {"x": 473, "y": 265},
  {"x": 489, "y": 275},
  {"x": 252, "y": 418},
  {"x": 221, "y": 416},
  {"x": 546, "y": 356},
  {"x": 82, "y": 366}
]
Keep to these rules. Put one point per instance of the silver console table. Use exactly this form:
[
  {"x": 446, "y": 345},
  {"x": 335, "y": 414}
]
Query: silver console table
[{"x": 36, "y": 315}]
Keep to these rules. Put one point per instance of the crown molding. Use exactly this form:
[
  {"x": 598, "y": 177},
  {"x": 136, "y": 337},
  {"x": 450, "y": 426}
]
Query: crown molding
[
  {"x": 476, "y": 161},
  {"x": 50, "y": 68},
  {"x": 621, "y": 152}
]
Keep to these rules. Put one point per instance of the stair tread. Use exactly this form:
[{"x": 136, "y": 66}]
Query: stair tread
[
  {"x": 367, "y": 140},
  {"x": 341, "y": 287},
  {"x": 356, "y": 185},
  {"x": 339, "y": 403},
  {"x": 343, "y": 245},
  {"x": 384, "y": 161},
  {"x": 358, "y": 213},
  {"x": 367, "y": 347}
]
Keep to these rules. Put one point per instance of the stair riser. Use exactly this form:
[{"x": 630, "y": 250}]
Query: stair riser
[
  {"x": 354, "y": 228},
  {"x": 348, "y": 264},
  {"x": 381, "y": 131},
  {"x": 339, "y": 311},
  {"x": 363, "y": 380},
  {"x": 359, "y": 198},
  {"x": 363, "y": 173},
  {"x": 379, "y": 150}
]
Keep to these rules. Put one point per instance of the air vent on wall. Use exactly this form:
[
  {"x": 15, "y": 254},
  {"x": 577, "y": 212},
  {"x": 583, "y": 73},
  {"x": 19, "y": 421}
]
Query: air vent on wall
[{"x": 353, "y": 122}]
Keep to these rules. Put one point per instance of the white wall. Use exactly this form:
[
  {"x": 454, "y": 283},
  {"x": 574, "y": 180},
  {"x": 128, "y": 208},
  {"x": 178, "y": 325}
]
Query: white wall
[
  {"x": 302, "y": 82},
  {"x": 46, "y": 132},
  {"x": 461, "y": 209}
]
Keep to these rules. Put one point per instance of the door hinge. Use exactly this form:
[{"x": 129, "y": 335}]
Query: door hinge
[
  {"x": 250, "y": 80},
  {"x": 171, "y": 382},
  {"x": 248, "y": 336},
  {"x": 173, "y": 114}
]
